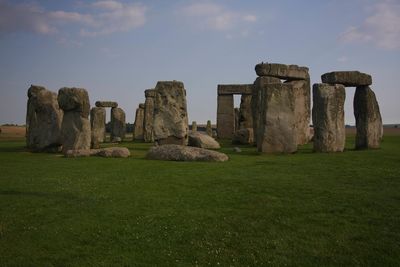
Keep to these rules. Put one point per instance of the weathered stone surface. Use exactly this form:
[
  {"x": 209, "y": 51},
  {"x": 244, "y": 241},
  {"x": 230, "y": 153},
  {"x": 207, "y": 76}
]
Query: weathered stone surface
[
  {"x": 243, "y": 136},
  {"x": 43, "y": 121},
  {"x": 139, "y": 122},
  {"x": 302, "y": 105},
  {"x": 259, "y": 83},
  {"x": 194, "y": 126},
  {"x": 347, "y": 78},
  {"x": 118, "y": 125},
  {"x": 277, "y": 128},
  {"x": 245, "y": 113},
  {"x": 106, "y": 104},
  {"x": 232, "y": 89},
  {"x": 368, "y": 119},
  {"x": 74, "y": 99},
  {"x": 170, "y": 113},
  {"x": 203, "y": 140},
  {"x": 328, "y": 117},
  {"x": 237, "y": 117},
  {"x": 75, "y": 128},
  {"x": 184, "y": 153},
  {"x": 109, "y": 152},
  {"x": 114, "y": 152},
  {"x": 282, "y": 71},
  {"x": 225, "y": 116},
  {"x": 98, "y": 126},
  {"x": 209, "y": 130},
  {"x": 148, "y": 116}
]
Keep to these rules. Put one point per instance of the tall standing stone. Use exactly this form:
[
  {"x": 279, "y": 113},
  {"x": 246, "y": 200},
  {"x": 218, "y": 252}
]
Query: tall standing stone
[
  {"x": 148, "y": 116},
  {"x": 118, "y": 125},
  {"x": 43, "y": 121},
  {"x": 170, "y": 113},
  {"x": 75, "y": 127},
  {"x": 225, "y": 116},
  {"x": 277, "y": 124},
  {"x": 245, "y": 113},
  {"x": 139, "y": 122},
  {"x": 328, "y": 117},
  {"x": 302, "y": 106},
  {"x": 237, "y": 118},
  {"x": 259, "y": 84},
  {"x": 98, "y": 126},
  {"x": 209, "y": 130},
  {"x": 194, "y": 126},
  {"x": 368, "y": 118}
]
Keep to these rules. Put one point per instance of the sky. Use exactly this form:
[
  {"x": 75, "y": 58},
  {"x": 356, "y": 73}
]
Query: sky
[{"x": 117, "y": 49}]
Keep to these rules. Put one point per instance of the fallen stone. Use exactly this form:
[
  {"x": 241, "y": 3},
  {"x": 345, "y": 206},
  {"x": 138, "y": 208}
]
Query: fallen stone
[
  {"x": 170, "y": 125},
  {"x": 106, "y": 104},
  {"x": 184, "y": 153},
  {"x": 203, "y": 141},
  {"x": 347, "y": 78},
  {"x": 281, "y": 71},
  {"x": 368, "y": 119},
  {"x": 236, "y": 149},
  {"x": 244, "y": 136},
  {"x": 109, "y": 152},
  {"x": 328, "y": 117}
]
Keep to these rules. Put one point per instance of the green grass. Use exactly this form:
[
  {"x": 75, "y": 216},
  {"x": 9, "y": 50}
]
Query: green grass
[{"x": 304, "y": 209}]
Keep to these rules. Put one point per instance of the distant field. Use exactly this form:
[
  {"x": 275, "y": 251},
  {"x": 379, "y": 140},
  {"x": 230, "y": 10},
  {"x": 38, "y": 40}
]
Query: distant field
[
  {"x": 12, "y": 132},
  {"x": 305, "y": 209}
]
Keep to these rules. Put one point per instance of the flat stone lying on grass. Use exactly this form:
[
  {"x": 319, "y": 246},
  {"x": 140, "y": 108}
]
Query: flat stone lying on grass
[
  {"x": 203, "y": 141},
  {"x": 184, "y": 153},
  {"x": 347, "y": 78},
  {"x": 109, "y": 152},
  {"x": 106, "y": 104}
]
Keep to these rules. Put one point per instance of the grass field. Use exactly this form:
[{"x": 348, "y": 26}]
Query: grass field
[{"x": 304, "y": 209}]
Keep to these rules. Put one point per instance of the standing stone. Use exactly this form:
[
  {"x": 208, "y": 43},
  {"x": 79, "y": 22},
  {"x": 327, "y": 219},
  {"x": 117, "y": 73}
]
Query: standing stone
[
  {"x": 225, "y": 116},
  {"x": 170, "y": 113},
  {"x": 118, "y": 125},
  {"x": 368, "y": 119},
  {"x": 209, "y": 130},
  {"x": 148, "y": 116},
  {"x": 243, "y": 136},
  {"x": 277, "y": 128},
  {"x": 75, "y": 127},
  {"x": 245, "y": 113},
  {"x": 44, "y": 118},
  {"x": 237, "y": 117},
  {"x": 139, "y": 121},
  {"x": 259, "y": 84},
  {"x": 98, "y": 126},
  {"x": 194, "y": 126},
  {"x": 302, "y": 105},
  {"x": 328, "y": 117}
]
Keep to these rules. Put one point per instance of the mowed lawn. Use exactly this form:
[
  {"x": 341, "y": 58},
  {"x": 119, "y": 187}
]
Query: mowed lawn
[{"x": 304, "y": 209}]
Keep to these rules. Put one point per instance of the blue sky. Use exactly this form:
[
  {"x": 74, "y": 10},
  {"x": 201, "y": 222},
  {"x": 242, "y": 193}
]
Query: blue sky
[{"x": 117, "y": 49}]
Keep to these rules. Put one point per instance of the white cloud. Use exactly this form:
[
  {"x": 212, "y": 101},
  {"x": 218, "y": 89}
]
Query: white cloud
[
  {"x": 381, "y": 28},
  {"x": 104, "y": 17},
  {"x": 216, "y": 17}
]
